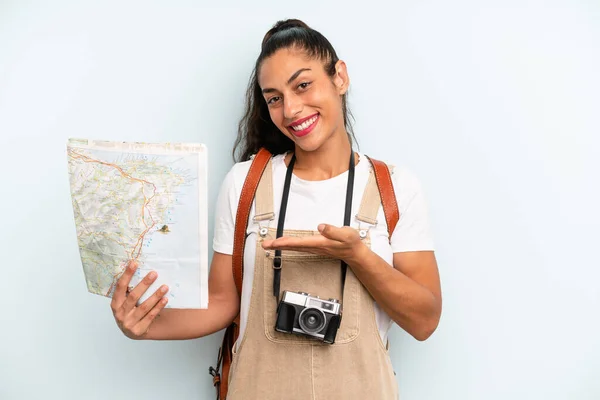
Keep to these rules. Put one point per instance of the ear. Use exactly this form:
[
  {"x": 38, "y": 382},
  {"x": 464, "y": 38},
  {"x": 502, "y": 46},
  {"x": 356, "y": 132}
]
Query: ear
[{"x": 341, "y": 79}]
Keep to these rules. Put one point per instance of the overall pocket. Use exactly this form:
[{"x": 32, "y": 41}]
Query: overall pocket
[{"x": 317, "y": 275}]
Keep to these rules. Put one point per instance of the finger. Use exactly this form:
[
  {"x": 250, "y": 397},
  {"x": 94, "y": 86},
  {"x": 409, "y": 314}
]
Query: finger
[
  {"x": 149, "y": 303},
  {"x": 333, "y": 232},
  {"x": 144, "y": 325},
  {"x": 295, "y": 243},
  {"x": 312, "y": 250},
  {"x": 120, "y": 292},
  {"x": 344, "y": 235},
  {"x": 139, "y": 290}
]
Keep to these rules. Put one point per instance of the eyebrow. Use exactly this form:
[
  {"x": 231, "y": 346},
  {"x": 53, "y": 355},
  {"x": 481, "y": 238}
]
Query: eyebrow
[{"x": 294, "y": 76}]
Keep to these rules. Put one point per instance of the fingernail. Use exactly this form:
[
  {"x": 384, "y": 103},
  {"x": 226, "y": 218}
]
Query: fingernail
[
  {"x": 152, "y": 275},
  {"x": 132, "y": 265},
  {"x": 164, "y": 289}
]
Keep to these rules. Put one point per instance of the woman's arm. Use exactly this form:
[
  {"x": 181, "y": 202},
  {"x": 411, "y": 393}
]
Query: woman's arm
[
  {"x": 409, "y": 293},
  {"x": 222, "y": 308},
  {"x": 148, "y": 322}
]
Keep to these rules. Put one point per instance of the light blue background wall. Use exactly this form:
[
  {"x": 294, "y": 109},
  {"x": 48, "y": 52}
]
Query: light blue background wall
[{"x": 493, "y": 104}]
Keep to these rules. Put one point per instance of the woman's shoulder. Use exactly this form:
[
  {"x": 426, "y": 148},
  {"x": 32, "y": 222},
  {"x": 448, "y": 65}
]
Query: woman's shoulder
[
  {"x": 234, "y": 178},
  {"x": 239, "y": 171},
  {"x": 398, "y": 170},
  {"x": 404, "y": 178}
]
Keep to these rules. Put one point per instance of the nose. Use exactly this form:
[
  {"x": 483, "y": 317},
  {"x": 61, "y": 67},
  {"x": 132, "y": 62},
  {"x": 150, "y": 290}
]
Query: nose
[{"x": 292, "y": 106}]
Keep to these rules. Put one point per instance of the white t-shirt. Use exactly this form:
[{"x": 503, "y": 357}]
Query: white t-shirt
[{"x": 313, "y": 202}]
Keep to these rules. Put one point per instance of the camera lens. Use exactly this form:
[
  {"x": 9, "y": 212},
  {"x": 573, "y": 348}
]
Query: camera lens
[{"x": 311, "y": 320}]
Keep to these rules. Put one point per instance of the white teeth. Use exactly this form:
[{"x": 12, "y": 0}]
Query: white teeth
[{"x": 305, "y": 124}]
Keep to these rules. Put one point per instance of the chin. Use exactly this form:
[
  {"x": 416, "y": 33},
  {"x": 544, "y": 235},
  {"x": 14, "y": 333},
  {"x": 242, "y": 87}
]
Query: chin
[
  {"x": 307, "y": 149},
  {"x": 308, "y": 144},
  {"x": 311, "y": 142}
]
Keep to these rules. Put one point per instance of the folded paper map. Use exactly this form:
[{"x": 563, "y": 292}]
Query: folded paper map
[{"x": 145, "y": 202}]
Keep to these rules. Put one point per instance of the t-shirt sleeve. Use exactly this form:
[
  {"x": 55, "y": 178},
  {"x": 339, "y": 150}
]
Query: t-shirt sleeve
[
  {"x": 225, "y": 210},
  {"x": 413, "y": 231}
]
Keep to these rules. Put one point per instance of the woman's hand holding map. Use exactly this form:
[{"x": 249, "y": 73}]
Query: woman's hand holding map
[{"x": 133, "y": 319}]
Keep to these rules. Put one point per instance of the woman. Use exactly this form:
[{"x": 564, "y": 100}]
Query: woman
[{"x": 296, "y": 108}]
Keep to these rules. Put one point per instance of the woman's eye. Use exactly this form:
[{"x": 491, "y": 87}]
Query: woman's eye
[
  {"x": 272, "y": 100},
  {"x": 303, "y": 85}
]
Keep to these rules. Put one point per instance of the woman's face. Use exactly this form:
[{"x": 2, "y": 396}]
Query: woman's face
[{"x": 304, "y": 102}]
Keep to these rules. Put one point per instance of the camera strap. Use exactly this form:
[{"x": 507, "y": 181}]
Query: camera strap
[{"x": 280, "y": 223}]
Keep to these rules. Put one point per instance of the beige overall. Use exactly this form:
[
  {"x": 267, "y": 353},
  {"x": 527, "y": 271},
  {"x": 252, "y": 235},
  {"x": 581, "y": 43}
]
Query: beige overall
[{"x": 269, "y": 365}]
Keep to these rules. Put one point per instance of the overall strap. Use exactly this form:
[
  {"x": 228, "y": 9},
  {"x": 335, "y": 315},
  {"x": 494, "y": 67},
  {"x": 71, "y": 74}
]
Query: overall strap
[
  {"x": 264, "y": 196},
  {"x": 379, "y": 191},
  {"x": 370, "y": 203}
]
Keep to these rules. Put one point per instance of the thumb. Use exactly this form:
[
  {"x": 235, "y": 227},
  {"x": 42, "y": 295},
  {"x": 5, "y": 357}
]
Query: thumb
[{"x": 329, "y": 231}]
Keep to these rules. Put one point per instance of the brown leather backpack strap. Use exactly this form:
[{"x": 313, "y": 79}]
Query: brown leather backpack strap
[
  {"x": 221, "y": 380},
  {"x": 387, "y": 193},
  {"x": 260, "y": 161},
  {"x": 243, "y": 212}
]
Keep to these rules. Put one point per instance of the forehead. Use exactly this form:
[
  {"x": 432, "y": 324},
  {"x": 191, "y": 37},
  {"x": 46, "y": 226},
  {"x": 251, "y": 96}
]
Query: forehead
[{"x": 278, "y": 68}]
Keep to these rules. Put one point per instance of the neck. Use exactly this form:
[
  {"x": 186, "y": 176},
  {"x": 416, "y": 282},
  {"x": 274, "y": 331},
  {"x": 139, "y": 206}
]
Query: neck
[{"x": 330, "y": 160}]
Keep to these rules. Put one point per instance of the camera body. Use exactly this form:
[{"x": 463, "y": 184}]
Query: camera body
[{"x": 303, "y": 314}]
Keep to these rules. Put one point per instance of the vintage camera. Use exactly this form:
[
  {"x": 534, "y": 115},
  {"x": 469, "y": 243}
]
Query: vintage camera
[{"x": 304, "y": 314}]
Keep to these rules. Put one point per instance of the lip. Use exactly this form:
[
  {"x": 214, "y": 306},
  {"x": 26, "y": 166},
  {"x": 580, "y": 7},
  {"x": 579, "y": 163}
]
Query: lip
[{"x": 301, "y": 121}]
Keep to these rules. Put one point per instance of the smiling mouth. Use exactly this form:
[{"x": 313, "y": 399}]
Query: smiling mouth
[
  {"x": 305, "y": 124},
  {"x": 304, "y": 128}
]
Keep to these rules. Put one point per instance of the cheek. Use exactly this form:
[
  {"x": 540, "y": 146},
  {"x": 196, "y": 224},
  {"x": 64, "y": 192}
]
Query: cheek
[
  {"x": 317, "y": 97},
  {"x": 276, "y": 116},
  {"x": 326, "y": 99}
]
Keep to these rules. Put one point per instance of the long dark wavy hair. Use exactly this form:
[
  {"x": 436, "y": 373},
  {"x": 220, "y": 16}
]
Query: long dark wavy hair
[{"x": 256, "y": 129}]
